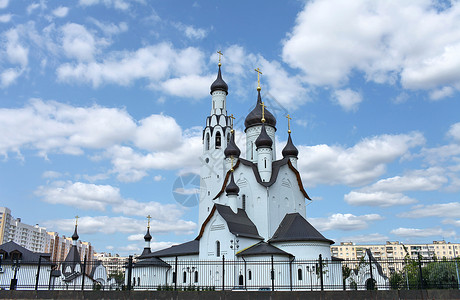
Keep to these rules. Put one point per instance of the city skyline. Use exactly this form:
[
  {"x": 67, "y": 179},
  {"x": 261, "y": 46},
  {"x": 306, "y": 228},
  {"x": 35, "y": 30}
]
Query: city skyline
[{"x": 103, "y": 104}]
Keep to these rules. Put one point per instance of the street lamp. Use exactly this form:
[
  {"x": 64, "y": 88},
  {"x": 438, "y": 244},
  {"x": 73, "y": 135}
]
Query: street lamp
[
  {"x": 310, "y": 272},
  {"x": 15, "y": 267},
  {"x": 191, "y": 270},
  {"x": 234, "y": 244}
]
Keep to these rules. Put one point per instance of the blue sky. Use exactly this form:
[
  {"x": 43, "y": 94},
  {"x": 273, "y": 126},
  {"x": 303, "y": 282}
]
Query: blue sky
[{"x": 102, "y": 103}]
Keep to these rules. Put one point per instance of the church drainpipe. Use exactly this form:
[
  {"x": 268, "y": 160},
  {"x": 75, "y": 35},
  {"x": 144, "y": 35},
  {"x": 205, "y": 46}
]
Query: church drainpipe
[
  {"x": 273, "y": 276},
  {"x": 83, "y": 275},
  {"x": 290, "y": 272},
  {"x": 321, "y": 272},
  {"x": 175, "y": 275},
  {"x": 245, "y": 273}
]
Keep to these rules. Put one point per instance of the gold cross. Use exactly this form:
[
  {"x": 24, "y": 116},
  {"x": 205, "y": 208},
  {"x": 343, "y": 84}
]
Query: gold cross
[
  {"x": 148, "y": 218},
  {"x": 76, "y": 220},
  {"x": 263, "y": 112},
  {"x": 220, "y": 54},
  {"x": 232, "y": 118},
  {"x": 258, "y": 78},
  {"x": 289, "y": 123}
]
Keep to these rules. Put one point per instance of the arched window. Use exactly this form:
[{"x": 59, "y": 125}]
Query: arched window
[
  {"x": 218, "y": 140},
  {"x": 217, "y": 248},
  {"x": 184, "y": 278},
  {"x": 134, "y": 281},
  {"x": 240, "y": 280},
  {"x": 249, "y": 275},
  {"x": 265, "y": 162},
  {"x": 243, "y": 199},
  {"x": 299, "y": 274},
  {"x": 207, "y": 141},
  {"x": 196, "y": 276},
  {"x": 174, "y": 277}
]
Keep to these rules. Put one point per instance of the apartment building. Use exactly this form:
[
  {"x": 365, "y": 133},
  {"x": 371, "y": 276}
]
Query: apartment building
[
  {"x": 34, "y": 238},
  {"x": 397, "y": 250},
  {"x": 5, "y": 223},
  {"x": 113, "y": 263}
]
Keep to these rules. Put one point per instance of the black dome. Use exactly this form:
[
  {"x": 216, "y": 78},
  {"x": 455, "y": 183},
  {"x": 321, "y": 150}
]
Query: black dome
[
  {"x": 219, "y": 84},
  {"x": 290, "y": 149},
  {"x": 232, "y": 188},
  {"x": 255, "y": 116},
  {"x": 263, "y": 140},
  {"x": 75, "y": 234},
  {"x": 147, "y": 236},
  {"x": 232, "y": 149}
]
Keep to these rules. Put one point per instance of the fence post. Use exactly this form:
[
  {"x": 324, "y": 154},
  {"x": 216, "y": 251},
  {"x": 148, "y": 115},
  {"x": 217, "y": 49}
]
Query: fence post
[
  {"x": 420, "y": 272},
  {"x": 223, "y": 272},
  {"x": 272, "y": 273},
  {"x": 130, "y": 270},
  {"x": 372, "y": 287},
  {"x": 83, "y": 275},
  {"x": 175, "y": 276},
  {"x": 321, "y": 272},
  {"x": 38, "y": 272},
  {"x": 290, "y": 273}
]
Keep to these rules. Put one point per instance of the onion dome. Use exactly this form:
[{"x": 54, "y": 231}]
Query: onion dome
[
  {"x": 147, "y": 236},
  {"x": 290, "y": 149},
  {"x": 232, "y": 188},
  {"x": 219, "y": 84},
  {"x": 255, "y": 116},
  {"x": 232, "y": 149},
  {"x": 263, "y": 140},
  {"x": 75, "y": 234}
]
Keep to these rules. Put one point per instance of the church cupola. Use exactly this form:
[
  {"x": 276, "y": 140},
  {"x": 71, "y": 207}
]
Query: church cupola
[
  {"x": 290, "y": 150},
  {"x": 255, "y": 116},
  {"x": 232, "y": 149},
  {"x": 147, "y": 239},
  {"x": 232, "y": 191},
  {"x": 263, "y": 140},
  {"x": 219, "y": 84},
  {"x": 219, "y": 92}
]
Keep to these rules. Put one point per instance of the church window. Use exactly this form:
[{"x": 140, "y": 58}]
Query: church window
[
  {"x": 299, "y": 274},
  {"x": 249, "y": 275},
  {"x": 243, "y": 199},
  {"x": 184, "y": 277},
  {"x": 252, "y": 150},
  {"x": 240, "y": 280},
  {"x": 138, "y": 281},
  {"x": 217, "y": 248},
  {"x": 196, "y": 276},
  {"x": 134, "y": 281},
  {"x": 207, "y": 141},
  {"x": 265, "y": 162},
  {"x": 218, "y": 140}
]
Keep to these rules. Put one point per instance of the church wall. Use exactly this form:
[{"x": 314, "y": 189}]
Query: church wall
[
  {"x": 148, "y": 277},
  {"x": 306, "y": 250}
]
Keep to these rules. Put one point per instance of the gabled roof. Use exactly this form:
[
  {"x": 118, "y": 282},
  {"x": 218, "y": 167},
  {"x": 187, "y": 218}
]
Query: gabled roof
[
  {"x": 295, "y": 228},
  {"x": 72, "y": 259},
  {"x": 275, "y": 171},
  {"x": 152, "y": 261},
  {"x": 238, "y": 223},
  {"x": 262, "y": 248},
  {"x": 188, "y": 248},
  {"x": 27, "y": 256}
]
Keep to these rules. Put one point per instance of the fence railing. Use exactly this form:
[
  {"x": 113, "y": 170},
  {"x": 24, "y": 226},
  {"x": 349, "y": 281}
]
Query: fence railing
[{"x": 242, "y": 274}]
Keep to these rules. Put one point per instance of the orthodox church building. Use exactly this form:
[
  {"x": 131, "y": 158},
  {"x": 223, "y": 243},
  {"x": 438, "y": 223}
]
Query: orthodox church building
[{"x": 250, "y": 209}]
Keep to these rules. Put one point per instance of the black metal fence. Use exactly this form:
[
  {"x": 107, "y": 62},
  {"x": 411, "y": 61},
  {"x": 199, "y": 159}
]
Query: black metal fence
[{"x": 243, "y": 274}]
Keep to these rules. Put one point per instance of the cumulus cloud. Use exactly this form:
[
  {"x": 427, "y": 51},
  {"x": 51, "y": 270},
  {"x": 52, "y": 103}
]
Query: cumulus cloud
[
  {"x": 422, "y": 233},
  {"x": 376, "y": 38},
  {"x": 381, "y": 199},
  {"x": 3, "y": 4},
  {"x": 16, "y": 54},
  {"x": 191, "y": 32},
  {"x": 78, "y": 42},
  {"x": 357, "y": 165},
  {"x": 366, "y": 238},
  {"x": 344, "y": 222},
  {"x": 348, "y": 99},
  {"x": 110, "y": 29},
  {"x": 117, "y": 4},
  {"x": 442, "y": 210},
  {"x": 61, "y": 11},
  {"x": 454, "y": 132},
  {"x": 5, "y": 18}
]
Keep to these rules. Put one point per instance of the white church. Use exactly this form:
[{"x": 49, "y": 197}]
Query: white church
[{"x": 252, "y": 215}]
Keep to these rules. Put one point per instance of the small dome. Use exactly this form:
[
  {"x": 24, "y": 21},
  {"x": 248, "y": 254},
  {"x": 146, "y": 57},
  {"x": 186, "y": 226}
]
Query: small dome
[
  {"x": 255, "y": 116},
  {"x": 219, "y": 84},
  {"x": 263, "y": 140},
  {"x": 232, "y": 188},
  {"x": 290, "y": 149},
  {"x": 147, "y": 236},
  {"x": 232, "y": 149},
  {"x": 75, "y": 234}
]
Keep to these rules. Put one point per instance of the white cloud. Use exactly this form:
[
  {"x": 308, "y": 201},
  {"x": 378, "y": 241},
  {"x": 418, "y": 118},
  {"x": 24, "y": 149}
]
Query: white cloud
[
  {"x": 444, "y": 92},
  {"x": 51, "y": 174},
  {"x": 156, "y": 210},
  {"x": 112, "y": 225},
  {"x": 30, "y": 9},
  {"x": 158, "y": 132},
  {"x": 422, "y": 233},
  {"x": 9, "y": 76},
  {"x": 78, "y": 42},
  {"x": 191, "y": 86},
  {"x": 5, "y": 18},
  {"x": 366, "y": 238},
  {"x": 357, "y": 165},
  {"x": 348, "y": 99},
  {"x": 3, "y": 3},
  {"x": 61, "y": 11},
  {"x": 344, "y": 222},
  {"x": 191, "y": 32},
  {"x": 136, "y": 237},
  {"x": 15, "y": 51},
  {"x": 381, "y": 199},
  {"x": 442, "y": 210},
  {"x": 117, "y": 4},
  {"x": 454, "y": 132},
  {"x": 110, "y": 29},
  {"x": 158, "y": 178},
  {"x": 376, "y": 38}
]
